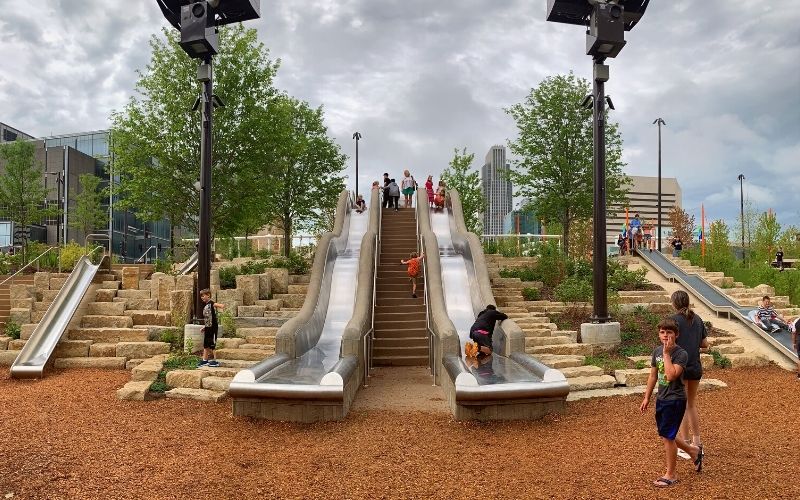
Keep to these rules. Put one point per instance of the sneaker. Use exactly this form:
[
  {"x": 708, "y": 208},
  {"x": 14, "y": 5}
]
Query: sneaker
[
  {"x": 413, "y": 295},
  {"x": 202, "y": 363},
  {"x": 775, "y": 330},
  {"x": 213, "y": 363},
  {"x": 683, "y": 454}
]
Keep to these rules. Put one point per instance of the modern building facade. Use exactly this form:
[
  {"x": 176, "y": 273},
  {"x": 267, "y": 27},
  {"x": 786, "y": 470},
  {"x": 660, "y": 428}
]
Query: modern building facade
[
  {"x": 643, "y": 200},
  {"x": 521, "y": 222},
  {"x": 64, "y": 158},
  {"x": 10, "y": 134},
  {"x": 496, "y": 186}
]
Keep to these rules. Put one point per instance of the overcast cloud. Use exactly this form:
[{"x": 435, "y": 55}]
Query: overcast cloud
[{"x": 420, "y": 78}]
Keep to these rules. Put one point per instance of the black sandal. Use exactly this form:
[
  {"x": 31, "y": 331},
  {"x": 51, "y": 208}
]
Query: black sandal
[
  {"x": 664, "y": 482},
  {"x": 698, "y": 462}
]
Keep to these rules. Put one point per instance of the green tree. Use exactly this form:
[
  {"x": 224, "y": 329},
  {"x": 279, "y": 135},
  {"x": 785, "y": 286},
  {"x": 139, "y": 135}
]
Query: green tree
[
  {"x": 88, "y": 213},
  {"x": 460, "y": 176},
  {"x": 22, "y": 191},
  {"x": 555, "y": 146},
  {"x": 719, "y": 256},
  {"x": 750, "y": 220},
  {"x": 683, "y": 225},
  {"x": 306, "y": 181},
  {"x": 790, "y": 242},
  {"x": 765, "y": 238},
  {"x": 156, "y": 138}
]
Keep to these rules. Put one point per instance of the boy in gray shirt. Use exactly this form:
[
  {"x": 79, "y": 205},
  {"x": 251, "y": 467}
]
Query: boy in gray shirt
[{"x": 666, "y": 368}]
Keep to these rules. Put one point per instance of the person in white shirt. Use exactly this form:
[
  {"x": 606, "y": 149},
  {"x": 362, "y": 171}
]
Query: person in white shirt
[{"x": 408, "y": 185}]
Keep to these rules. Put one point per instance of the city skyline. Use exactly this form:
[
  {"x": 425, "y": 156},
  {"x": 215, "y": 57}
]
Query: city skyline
[{"x": 418, "y": 81}]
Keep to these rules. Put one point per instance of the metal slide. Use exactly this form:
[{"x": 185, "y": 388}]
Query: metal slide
[
  {"x": 320, "y": 373},
  {"x": 514, "y": 377},
  {"x": 189, "y": 265},
  {"x": 718, "y": 301},
  {"x": 31, "y": 361}
]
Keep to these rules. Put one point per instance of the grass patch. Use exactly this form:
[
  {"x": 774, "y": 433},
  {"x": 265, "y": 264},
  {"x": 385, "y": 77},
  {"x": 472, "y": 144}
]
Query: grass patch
[
  {"x": 181, "y": 361},
  {"x": 159, "y": 385},
  {"x": 13, "y": 330},
  {"x": 607, "y": 362},
  {"x": 641, "y": 365},
  {"x": 635, "y": 350},
  {"x": 720, "y": 360}
]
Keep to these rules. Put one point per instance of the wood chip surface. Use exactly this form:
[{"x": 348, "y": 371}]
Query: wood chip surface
[{"x": 67, "y": 436}]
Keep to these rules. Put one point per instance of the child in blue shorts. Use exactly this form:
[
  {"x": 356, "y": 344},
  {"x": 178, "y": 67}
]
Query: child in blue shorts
[{"x": 667, "y": 365}]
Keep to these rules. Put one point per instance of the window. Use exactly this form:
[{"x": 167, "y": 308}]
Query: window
[
  {"x": 9, "y": 135},
  {"x": 5, "y": 234}
]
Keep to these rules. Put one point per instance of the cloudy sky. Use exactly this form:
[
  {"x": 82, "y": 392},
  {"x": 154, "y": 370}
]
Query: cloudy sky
[{"x": 420, "y": 78}]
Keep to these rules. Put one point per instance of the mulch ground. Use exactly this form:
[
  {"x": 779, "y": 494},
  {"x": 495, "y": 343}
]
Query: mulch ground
[{"x": 68, "y": 437}]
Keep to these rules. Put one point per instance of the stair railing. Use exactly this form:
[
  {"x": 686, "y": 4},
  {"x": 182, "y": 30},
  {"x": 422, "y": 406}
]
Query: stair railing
[
  {"x": 371, "y": 336},
  {"x": 431, "y": 334},
  {"x": 29, "y": 264}
]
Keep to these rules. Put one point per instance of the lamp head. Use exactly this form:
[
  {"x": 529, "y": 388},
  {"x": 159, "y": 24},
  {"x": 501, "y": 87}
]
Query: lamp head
[{"x": 578, "y": 11}]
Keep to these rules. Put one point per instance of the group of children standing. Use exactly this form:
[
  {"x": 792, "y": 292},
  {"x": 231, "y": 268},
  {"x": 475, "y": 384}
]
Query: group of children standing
[
  {"x": 408, "y": 185},
  {"x": 636, "y": 235}
]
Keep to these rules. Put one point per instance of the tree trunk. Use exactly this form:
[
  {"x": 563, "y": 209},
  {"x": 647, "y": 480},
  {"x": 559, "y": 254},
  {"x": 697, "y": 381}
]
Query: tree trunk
[
  {"x": 565, "y": 233},
  {"x": 171, "y": 238},
  {"x": 287, "y": 234}
]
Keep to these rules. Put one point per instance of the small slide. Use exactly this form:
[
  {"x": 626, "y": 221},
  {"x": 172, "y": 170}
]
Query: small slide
[
  {"x": 37, "y": 351},
  {"x": 190, "y": 265},
  {"x": 718, "y": 301},
  {"x": 310, "y": 378},
  {"x": 505, "y": 384}
]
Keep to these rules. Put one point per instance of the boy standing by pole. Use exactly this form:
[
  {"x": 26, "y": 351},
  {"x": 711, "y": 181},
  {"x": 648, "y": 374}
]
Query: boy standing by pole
[
  {"x": 667, "y": 365},
  {"x": 210, "y": 328}
]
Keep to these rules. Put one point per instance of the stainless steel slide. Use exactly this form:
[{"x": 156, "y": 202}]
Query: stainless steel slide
[
  {"x": 509, "y": 383},
  {"x": 189, "y": 265},
  {"x": 718, "y": 301},
  {"x": 318, "y": 372},
  {"x": 37, "y": 351}
]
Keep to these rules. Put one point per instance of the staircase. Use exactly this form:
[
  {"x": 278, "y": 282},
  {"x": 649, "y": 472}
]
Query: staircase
[{"x": 400, "y": 335}]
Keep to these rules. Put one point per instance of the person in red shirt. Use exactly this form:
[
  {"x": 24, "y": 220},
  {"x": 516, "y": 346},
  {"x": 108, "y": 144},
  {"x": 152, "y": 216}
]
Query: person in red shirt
[{"x": 414, "y": 263}]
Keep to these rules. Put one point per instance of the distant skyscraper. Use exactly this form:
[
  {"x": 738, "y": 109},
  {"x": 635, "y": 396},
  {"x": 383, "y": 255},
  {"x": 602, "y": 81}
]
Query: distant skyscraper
[{"x": 496, "y": 190}]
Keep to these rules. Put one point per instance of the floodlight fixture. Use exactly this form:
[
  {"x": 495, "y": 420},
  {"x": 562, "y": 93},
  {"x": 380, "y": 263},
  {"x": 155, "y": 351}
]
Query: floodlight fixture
[
  {"x": 610, "y": 103},
  {"x": 578, "y": 11},
  {"x": 224, "y": 11},
  {"x": 588, "y": 102},
  {"x": 196, "y": 104},
  {"x": 217, "y": 101}
]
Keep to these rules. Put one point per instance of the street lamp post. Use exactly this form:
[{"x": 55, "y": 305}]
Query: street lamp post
[
  {"x": 606, "y": 22},
  {"x": 741, "y": 209},
  {"x": 198, "y": 22},
  {"x": 659, "y": 122},
  {"x": 357, "y": 137}
]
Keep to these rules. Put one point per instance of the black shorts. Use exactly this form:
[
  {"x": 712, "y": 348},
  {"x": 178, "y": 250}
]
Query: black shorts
[
  {"x": 797, "y": 348},
  {"x": 693, "y": 372},
  {"x": 669, "y": 415},
  {"x": 482, "y": 339},
  {"x": 209, "y": 338}
]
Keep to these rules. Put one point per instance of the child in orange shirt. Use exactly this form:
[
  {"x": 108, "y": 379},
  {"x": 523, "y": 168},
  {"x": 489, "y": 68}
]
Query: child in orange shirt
[{"x": 414, "y": 271}]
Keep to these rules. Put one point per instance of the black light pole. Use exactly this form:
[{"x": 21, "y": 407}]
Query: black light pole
[
  {"x": 357, "y": 137},
  {"x": 741, "y": 209},
  {"x": 606, "y": 22},
  {"x": 198, "y": 22},
  {"x": 659, "y": 122}
]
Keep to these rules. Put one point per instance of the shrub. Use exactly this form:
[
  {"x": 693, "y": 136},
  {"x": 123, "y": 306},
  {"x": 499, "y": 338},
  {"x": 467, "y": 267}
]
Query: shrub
[
  {"x": 634, "y": 350},
  {"x": 165, "y": 266},
  {"x": 13, "y": 330},
  {"x": 720, "y": 360},
  {"x": 227, "y": 277},
  {"x": 641, "y": 364},
  {"x": 174, "y": 337},
  {"x": 70, "y": 255},
  {"x": 708, "y": 325},
  {"x": 181, "y": 360},
  {"x": 573, "y": 290},
  {"x": 228, "y": 323},
  {"x": 159, "y": 385},
  {"x": 530, "y": 293},
  {"x": 604, "y": 361},
  {"x": 630, "y": 335},
  {"x": 621, "y": 278}
]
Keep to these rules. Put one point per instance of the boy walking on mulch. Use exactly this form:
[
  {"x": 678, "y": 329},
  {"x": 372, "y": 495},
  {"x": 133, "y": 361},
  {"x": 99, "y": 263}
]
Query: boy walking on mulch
[
  {"x": 667, "y": 365},
  {"x": 210, "y": 328},
  {"x": 414, "y": 271}
]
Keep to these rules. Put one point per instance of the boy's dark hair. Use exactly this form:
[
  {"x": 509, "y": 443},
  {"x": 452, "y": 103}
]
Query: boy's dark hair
[
  {"x": 385, "y": 174},
  {"x": 765, "y": 297},
  {"x": 670, "y": 325},
  {"x": 205, "y": 291},
  {"x": 492, "y": 307},
  {"x": 414, "y": 255},
  {"x": 391, "y": 180}
]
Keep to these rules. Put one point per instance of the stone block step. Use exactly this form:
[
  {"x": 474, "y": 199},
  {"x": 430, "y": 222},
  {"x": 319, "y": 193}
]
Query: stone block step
[
  {"x": 111, "y": 363},
  {"x": 111, "y": 285},
  {"x": 747, "y": 360},
  {"x": 298, "y": 289},
  {"x": 134, "y": 391},
  {"x": 291, "y": 299},
  {"x": 103, "y": 350},
  {"x": 195, "y": 394},
  {"x": 299, "y": 279},
  {"x": 574, "y": 349},
  {"x": 7, "y": 357},
  {"x": 267, "y": 348},
  {"x": 220, "y": 371},
  {"x": 104, "y": 295},
  {"x": 252, "y": 355},
  {"x": 582, "y": 371},
  {"x": 146, "y": 317},
  {"x": 546, "y": 341},
  {"x": 250, "y": 311},
  {"x": 106, "y": 308},
  {"x": 261, "y": 340},
  {"x": 715, "y": 341},
  {"x": 632, "y": 377},
  {"x": 237, "y": 364},
  {"x": 590, "y": 383},
  {"x": 726, "y": 349},
  {"x": 138, "y": 350},
  {"x": 133, "y": 294},
  {"x": 263, "y": 331},
  {"x": 109, "y": 335},
  {"x": 259, "y": 322},
  {"x": 217, "y": 383},
  {"x": 138, "y": 304},
  {"x": 72, "y": 349},
  {"x": 560, "y": 361},
  {"x": 95, "y": 321},
  {"x": 705, "y": 385}
]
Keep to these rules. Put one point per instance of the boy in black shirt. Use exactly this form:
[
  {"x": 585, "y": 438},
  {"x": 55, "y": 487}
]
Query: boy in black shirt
[
  {"x": 483, "y": 328},
  {"x": 210, "y": 328},
  {"x": 779, "y": 258},
  {"x": 667, "y": 366}
]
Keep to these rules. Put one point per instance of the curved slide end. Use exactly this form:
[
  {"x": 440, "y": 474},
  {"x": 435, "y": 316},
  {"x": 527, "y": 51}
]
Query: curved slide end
[{"x": 27, "y": 371}]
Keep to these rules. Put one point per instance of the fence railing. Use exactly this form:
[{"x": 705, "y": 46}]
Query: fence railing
[
  {"x": 516, "y": 245},
  {"x": 36, "y": 261}
]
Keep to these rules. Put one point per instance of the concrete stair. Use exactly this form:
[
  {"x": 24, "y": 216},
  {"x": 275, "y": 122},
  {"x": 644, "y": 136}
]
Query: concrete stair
[
  {"x": 571, "y": 348},
  {"x": 591, "y": 382},
  {"x": 401, "y": 337}
]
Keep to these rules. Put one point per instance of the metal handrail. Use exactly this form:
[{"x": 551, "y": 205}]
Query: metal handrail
[
  {"x": 141, "y": 259},
  {"x": 11, "y": 278}
]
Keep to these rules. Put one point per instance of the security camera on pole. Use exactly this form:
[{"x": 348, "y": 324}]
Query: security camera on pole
[
  {"x": 198, "y": 22},
  {"x": 606, "y": 22}
]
